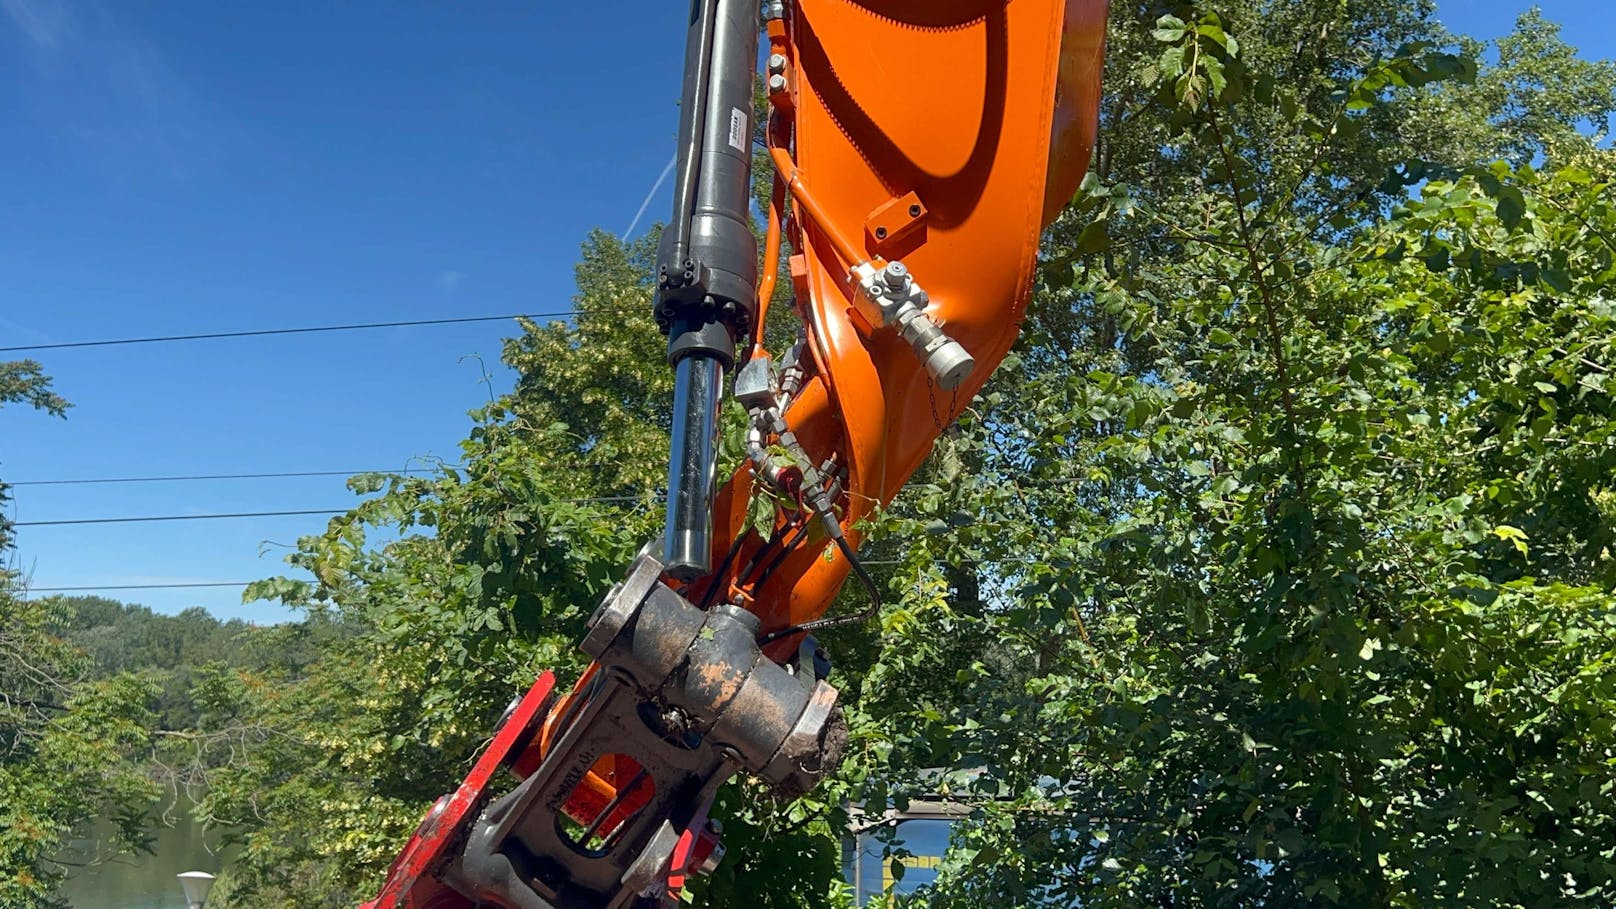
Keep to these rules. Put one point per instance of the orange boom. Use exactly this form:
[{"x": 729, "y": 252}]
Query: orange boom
[
  {"x": 920, "y": 147},
  {"x": 945, "y": 135}
]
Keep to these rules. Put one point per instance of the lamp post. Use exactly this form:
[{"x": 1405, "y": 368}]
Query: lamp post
[{"x": 196, "y": 885}]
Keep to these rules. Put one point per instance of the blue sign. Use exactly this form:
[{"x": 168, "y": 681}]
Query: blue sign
[{"x": 870, "y": 871}]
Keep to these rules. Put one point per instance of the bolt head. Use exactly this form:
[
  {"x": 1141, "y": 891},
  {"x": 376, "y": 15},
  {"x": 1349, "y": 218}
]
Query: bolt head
[
  {"x": 777, "y": 83},
  {"x": 777, "y": 63}
]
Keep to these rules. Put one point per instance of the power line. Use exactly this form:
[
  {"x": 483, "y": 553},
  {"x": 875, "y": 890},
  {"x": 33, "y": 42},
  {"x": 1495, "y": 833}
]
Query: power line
[
  {"x": 264, "y": 332},
  {"x": 224, "y": 476},
  {"x": 137, "y": 586},
  {"x": 179, "y": 517},
  {"x": 135, "y": 519}
]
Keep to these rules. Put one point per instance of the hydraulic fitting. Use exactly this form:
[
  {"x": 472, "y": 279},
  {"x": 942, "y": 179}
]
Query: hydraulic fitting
[{"x": 891, "y": 296}]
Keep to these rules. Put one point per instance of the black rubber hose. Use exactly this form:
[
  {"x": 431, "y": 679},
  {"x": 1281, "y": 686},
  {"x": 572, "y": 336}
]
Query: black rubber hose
[{"x": 837, "y": 621}]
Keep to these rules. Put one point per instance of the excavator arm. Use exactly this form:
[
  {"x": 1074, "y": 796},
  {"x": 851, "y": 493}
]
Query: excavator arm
[{"x": 919, "y": 149}]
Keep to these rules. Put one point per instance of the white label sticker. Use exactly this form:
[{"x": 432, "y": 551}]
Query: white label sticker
[{"x": 737, "y": 129}]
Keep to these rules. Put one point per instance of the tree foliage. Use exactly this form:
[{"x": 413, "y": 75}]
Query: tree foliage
[
  {"x": 24, "y": 382},
  {"x": 1337, "y": 634},
  {"x": 71, "y": 744},
  {"x": 1296, "y": 500},
  {"x": 71, "y": 750}
]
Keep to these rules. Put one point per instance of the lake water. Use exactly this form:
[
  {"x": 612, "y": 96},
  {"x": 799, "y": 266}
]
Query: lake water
[{"x": 144, "y": 881}]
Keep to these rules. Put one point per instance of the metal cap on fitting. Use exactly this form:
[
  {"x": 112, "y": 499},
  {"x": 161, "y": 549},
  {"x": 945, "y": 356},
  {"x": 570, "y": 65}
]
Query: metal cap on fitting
[{"x": 950, "y": 364}]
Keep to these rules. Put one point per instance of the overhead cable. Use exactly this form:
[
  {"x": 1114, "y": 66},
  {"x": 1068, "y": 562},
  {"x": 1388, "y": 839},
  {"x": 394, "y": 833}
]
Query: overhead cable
[
  {"x": 264, "y": 332},
  {"x": 135, "y": 519},
  {"x": 178, "y": 517},
  {"x": 137, "y": 586},
  {"x": 226, "y": 476}
]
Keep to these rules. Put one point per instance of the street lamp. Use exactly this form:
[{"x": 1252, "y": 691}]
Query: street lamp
[{"x": 196, "y": 885}]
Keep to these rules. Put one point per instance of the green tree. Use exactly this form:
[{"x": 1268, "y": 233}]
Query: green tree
[
  {"x": 1295, "y": 504},
  {"x": 70, "y": 747},
  {"x": 70, "y": 751},
  {"x": 1546, "y": 102},
  {"x": 170, "y": 649},
  {"x": 25, "y": 382}
]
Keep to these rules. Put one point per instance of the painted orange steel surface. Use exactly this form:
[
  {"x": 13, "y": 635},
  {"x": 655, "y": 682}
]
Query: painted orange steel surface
[{"x": 987, "y": 112}]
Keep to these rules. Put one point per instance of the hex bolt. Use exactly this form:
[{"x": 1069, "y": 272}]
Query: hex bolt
[
  {"x": 777, "y": 63},
  {"x": 777, "y": 83}
]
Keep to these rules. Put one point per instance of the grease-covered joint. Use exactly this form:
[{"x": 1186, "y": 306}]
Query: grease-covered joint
[
  {"x": 810, "y": 750},
  {"x": 709, "y": 665},
  {"x": 890, "y": 296}
]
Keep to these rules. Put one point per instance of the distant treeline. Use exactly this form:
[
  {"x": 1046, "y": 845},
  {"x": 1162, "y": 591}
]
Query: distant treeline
[{"x": 171, "y": 649}]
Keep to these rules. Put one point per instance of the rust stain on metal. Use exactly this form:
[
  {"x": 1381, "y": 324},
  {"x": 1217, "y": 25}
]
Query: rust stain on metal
[{"x": 721, "y": 678}]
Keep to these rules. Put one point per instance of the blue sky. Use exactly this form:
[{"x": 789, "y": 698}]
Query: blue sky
[{"x": 183, "y": 166}]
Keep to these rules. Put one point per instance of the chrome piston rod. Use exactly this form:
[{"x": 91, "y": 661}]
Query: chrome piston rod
[{"x": 693, "y": 466}]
